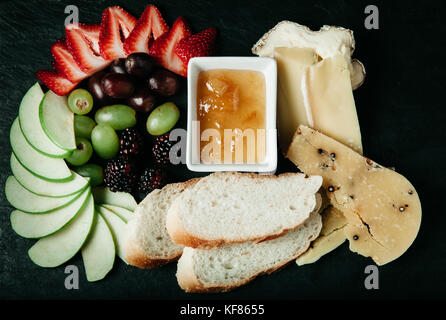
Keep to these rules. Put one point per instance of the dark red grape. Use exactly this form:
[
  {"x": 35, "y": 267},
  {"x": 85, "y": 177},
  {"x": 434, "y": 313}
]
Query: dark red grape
[
  {"x": 164, "y": 83},
  {"x": 117, "y": 85},
  {"x": 142, "y": 100},
  {"x": 139, "y": 64},
  {"x": 95, "y": 88},
  {"x": 118, "y": 66}
]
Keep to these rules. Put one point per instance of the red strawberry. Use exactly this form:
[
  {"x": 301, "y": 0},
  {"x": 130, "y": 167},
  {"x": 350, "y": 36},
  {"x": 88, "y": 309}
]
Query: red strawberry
[
  {"x": 197, "y": 45},
  {"x": 64, "y": 62},
  {"x": 83, "y": 43},
  {"x": 56, "y": 82},
  {"x": 150, "y": 22},
  {"x": 162, "y": 48},
  {"x": 115, "y": 22}
]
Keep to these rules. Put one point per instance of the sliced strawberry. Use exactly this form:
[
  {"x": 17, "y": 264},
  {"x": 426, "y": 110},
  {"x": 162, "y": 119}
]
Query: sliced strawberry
[
  {"x": 197, "y": 45},
  {"x": 83, "y": 43},
  {"x": 163, "y": 51},
  {"x": 91, "y": 33},
  {"x": 56, "y": 82},
  {"x": 116, "y": 25},
  {"x": 150, "y": 23},
  {"x": 64, "y": 62}
]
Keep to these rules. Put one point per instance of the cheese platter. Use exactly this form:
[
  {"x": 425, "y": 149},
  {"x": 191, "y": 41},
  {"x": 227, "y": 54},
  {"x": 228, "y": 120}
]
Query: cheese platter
[{"x": 204, "y": 152}]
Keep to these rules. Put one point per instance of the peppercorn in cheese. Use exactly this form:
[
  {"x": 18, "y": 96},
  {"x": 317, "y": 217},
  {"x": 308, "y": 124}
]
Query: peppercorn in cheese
[{"x": 382, "y": 208}]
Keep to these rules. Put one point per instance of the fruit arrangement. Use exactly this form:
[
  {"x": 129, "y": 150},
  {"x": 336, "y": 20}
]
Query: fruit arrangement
[
  {"x": 87, "y": 49},
  {"x": 116, "y": 76},
  {"x": 99, "y": 137}
]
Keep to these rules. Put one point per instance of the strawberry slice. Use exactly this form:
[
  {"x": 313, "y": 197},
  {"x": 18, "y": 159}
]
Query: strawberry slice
[
  {"x": 64, "y": 62},
  {"x": 56, "y": 82},
  {"x": 150, "y": 23},
  {"x": 197, "y": 45},
  {"x": 116, "y": 25},
  {"x": 83, "y": 43},
  {"x": 163, "y": 48}
]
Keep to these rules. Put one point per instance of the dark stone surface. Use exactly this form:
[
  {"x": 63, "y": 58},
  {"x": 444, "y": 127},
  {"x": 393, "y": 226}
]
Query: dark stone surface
[{"x": 401, "y": 112}]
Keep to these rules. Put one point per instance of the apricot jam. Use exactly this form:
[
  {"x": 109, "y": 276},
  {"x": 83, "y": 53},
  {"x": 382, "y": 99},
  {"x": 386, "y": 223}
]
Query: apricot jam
[{"x": 233, "y": 104}]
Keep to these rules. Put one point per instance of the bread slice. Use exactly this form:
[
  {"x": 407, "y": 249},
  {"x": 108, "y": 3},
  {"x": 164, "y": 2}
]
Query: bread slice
[
  {"x": 233, "y": 265},
  {"x": 147, "y": 244},
  {"x": 230, "y": 207}
]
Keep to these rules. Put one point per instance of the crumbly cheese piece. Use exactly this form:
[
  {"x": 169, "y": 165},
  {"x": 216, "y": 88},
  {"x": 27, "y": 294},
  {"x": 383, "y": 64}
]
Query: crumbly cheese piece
[
  {"x": 329, "y": 101},
  {"x": 331, "y": 236},
  {"x": 291, "y": 66},
  {"x": 326, "y": 42},
  {"x": 382, "y": 208}
]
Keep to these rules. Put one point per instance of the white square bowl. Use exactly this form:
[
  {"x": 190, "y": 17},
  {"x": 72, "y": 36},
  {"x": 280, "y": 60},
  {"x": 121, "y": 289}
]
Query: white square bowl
[{"x": 268, "y": 67}]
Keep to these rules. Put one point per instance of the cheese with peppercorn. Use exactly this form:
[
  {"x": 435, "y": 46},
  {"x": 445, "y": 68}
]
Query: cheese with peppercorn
[{"x": 382, "y": 208}]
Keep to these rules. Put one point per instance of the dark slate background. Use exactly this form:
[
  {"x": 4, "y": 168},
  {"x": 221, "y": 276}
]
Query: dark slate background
[{"x": 401, "y": 112}]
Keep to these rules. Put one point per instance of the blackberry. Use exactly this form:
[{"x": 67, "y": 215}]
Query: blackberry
[
  {"x": 161, "y": 148},
  {"x": 131, "y": 142},
  {"x": 120, "y": 174},
  {"x": 151, "y": 179}
]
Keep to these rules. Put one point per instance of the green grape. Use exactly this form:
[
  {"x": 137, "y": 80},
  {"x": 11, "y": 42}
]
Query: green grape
[
  {"x": 80, "y": 101},
  {"x": 105, "y": 141},
  {"x": 117, "y": 116},
  {"x": 82, "y": 153},
  {"x": 162, "y": 119},
  {"x": 92, "y": 171},
  {"x": 83, "y": 126}
]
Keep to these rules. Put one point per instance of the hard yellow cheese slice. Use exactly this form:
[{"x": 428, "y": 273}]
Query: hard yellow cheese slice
[
  {"x": 291, "y": 66},
  {"x": 319, "y": 94},
  {"x": 329, "y": 102},
  {"x": 331, "y": 236},
  {"x": 382, "y": 208}
]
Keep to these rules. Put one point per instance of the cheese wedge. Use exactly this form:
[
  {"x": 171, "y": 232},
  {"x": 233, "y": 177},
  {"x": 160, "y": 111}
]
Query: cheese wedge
[
  {"x": 382, "y": 208},
  {"x": 327, "y": 42},
  {"x": 332, "y": 236},
  {"x": 329, "y": 102},
  {"x": 291, "y": 66},
  {"x": 316, "y": 76}
]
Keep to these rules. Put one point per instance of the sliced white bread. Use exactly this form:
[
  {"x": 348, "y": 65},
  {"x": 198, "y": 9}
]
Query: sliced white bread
[
  {"x": 230, "y": 207},
  {"x": 233, "y": 265},
  {"x": 147, "y": 244}
]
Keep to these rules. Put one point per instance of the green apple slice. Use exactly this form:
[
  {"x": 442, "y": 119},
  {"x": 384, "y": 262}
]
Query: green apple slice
[
  {"x": 43, "y": 187},
  {"x": 31, "y": 127},
  {"x": 30, "y": 225},
  {"x": 28, "y": 202},
  {"x": 98, "y": 252},
  {"x": 117, "y": 226},
  {"x": 44, "y": 167},
  {"x": 125, "y": 214},
  {"x": 58, "y": 248},
  {"x": 103, "y": 195},
  {"x": 57, "y": 120}
]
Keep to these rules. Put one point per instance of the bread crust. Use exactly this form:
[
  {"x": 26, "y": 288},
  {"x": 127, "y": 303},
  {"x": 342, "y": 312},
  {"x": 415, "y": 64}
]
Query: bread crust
[
  {"x": 188, "y": 281},
  {"x": 180, "y": 236},
  {"x": 135, "y": 255}
]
